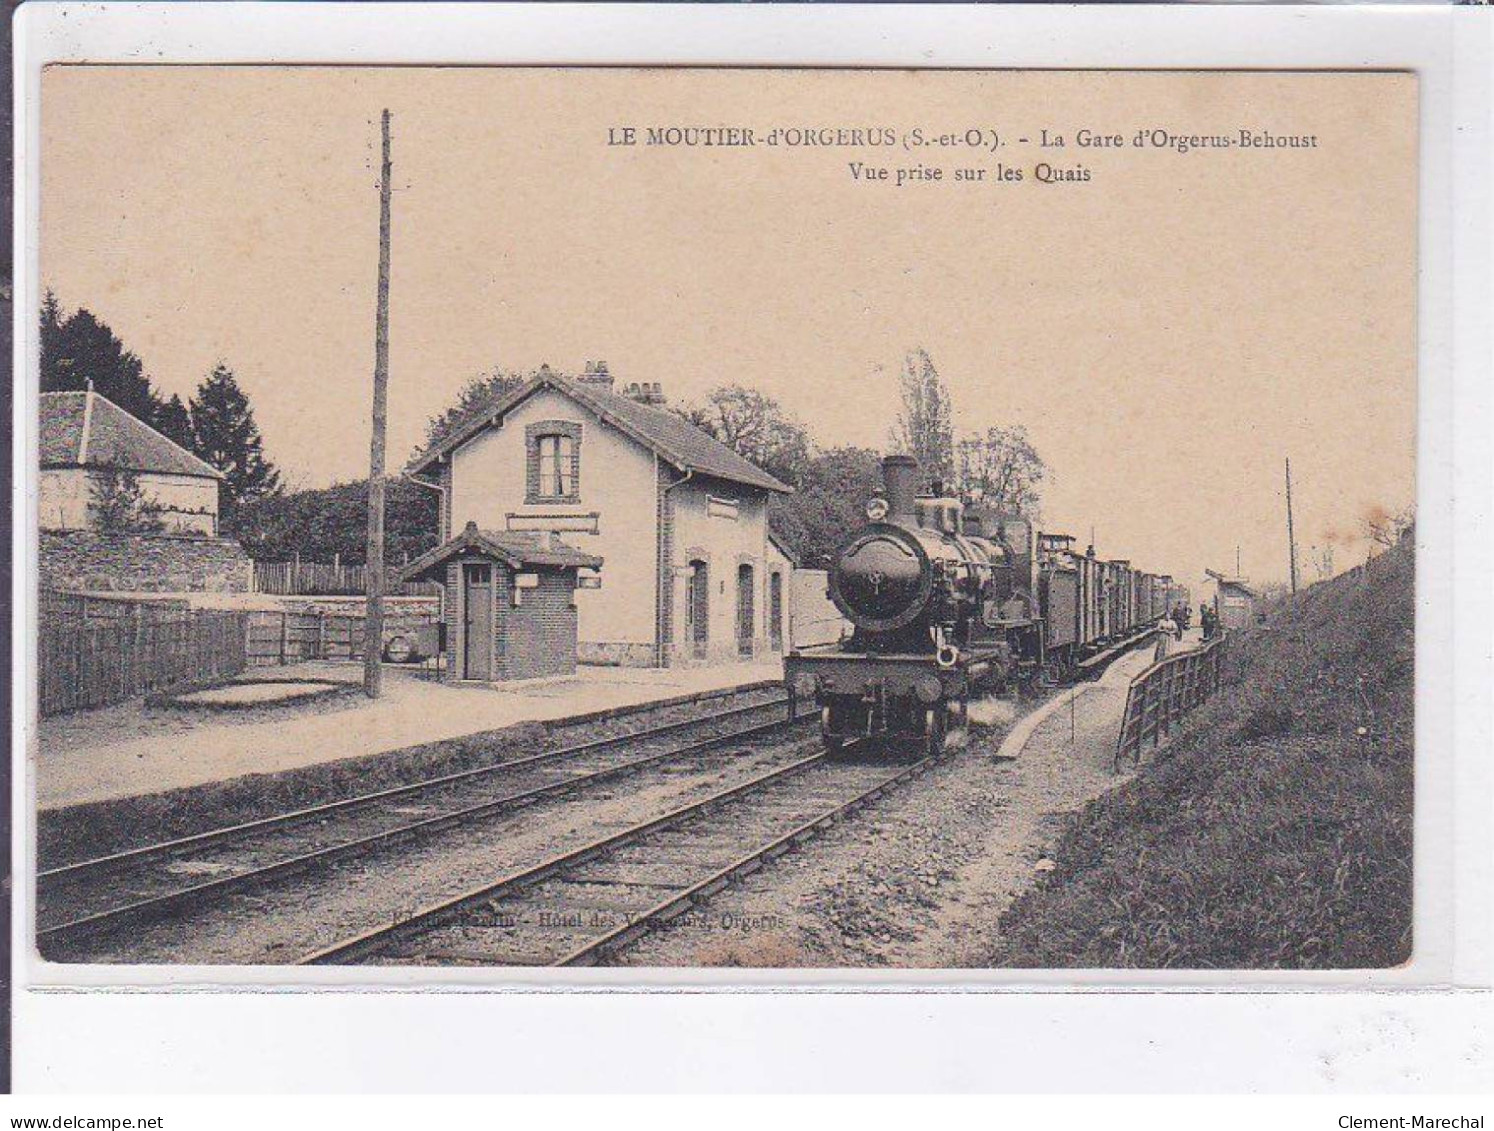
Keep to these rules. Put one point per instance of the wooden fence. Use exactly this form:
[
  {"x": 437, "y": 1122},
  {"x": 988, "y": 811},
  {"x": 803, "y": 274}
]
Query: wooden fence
[
  {"x": 289, "y": 638},
  {"x": 319, "y": 579},
  {"x": 93, "y": 663},
  {"x": 1160, "y": 696},
  {"x": 94, "y": 651}
]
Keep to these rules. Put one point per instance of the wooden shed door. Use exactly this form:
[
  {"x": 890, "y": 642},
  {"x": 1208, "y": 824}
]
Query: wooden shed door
[
  {"x": 746, "y": 614},
  {"x": 477, "y": 621}
]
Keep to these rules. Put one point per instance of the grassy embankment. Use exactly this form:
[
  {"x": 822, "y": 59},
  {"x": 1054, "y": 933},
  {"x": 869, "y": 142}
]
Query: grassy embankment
[{"x": 1275, "y": 830}]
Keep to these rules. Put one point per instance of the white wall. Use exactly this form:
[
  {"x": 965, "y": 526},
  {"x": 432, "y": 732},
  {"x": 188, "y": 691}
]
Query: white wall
[
  {"x": 181, "y": 499},
  {"x": 618, "y": 483},
  {"x": 64, "y": 496},
  {"x": 778, "y": 562},
  {"x": 816, "y": 619},
  {"x": 726, "y": 543}
]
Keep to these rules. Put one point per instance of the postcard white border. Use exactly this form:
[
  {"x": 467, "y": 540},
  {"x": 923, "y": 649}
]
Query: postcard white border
[{"x": 1450, "y": 50}]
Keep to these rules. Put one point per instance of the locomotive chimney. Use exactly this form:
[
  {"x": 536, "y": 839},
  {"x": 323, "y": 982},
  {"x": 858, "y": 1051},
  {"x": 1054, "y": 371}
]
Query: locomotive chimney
[{"x": 902, "y": 478}]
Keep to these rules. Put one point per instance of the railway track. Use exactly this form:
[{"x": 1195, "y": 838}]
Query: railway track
[
  {"x": 579, "y": 907},
  {"x": 79, "y": 902}
]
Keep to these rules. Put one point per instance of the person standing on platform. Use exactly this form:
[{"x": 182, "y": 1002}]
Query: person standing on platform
[{"x": 1166, "y": 628}]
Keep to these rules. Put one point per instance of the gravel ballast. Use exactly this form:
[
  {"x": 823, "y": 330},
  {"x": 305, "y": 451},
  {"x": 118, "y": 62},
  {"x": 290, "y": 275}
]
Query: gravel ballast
[{"x": 920, "y": 879}]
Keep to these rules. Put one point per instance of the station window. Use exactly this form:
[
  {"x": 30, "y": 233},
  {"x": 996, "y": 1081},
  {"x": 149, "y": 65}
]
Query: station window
[
  {"x": 556, "y": 475},
  {"x": 554, "y": 449}
]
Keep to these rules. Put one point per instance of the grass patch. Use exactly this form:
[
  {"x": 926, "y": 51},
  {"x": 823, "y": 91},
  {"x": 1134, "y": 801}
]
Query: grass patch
[{"x": 1275, "y": 831}]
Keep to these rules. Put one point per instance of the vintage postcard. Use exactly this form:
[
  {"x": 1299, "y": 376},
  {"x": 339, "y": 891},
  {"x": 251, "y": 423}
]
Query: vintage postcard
[{"x": 491, "y": 518}]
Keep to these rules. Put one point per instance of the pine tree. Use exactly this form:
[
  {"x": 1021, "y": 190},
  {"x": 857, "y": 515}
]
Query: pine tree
[
  {"x": 175, "y": 423},
  {"x": 80, "y": 348},
  {"x": 225, "y": 435}
]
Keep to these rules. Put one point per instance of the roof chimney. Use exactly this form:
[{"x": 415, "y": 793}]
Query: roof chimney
[
  {"x": 596, "y": 374},
  {"x": 644, "y": 392}
]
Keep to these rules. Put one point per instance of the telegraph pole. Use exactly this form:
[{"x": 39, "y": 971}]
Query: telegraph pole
[
  {"x": 1291, "y": 533},
  {"x": 373, "y": 622}
]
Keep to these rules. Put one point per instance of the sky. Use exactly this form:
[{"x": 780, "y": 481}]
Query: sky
[{"x": 1169, "y": 331}]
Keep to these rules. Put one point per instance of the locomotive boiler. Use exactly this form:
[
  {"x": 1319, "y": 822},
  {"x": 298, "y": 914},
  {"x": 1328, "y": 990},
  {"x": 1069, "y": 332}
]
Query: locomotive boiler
[
  {"x": 946, "y": 601},
  {"x": 941, "y": 604}
]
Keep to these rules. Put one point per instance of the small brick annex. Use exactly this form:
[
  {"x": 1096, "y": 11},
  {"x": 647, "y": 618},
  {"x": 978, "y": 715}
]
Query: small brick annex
[{"x": 509, "y": 606}]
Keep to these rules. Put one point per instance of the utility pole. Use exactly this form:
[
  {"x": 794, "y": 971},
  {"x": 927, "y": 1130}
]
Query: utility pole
[
  {"x": 1291, "y": 533},
  {"x": 373, "y": 622}
]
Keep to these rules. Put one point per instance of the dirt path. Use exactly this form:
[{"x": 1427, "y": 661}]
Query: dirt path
[{"x": 921, "y": 879}]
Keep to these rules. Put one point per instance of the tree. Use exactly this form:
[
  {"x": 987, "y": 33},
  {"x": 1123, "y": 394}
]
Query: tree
[
  {"x": 925, "y": 425},
  {"x": 174, "y": 421},
  {"x": 80, "y": 348},
  {"x": 225, "y": 435},
  {"x": 476, "y": 395},
  {"x": 331, "y": 522},
  {"x": 1321, "y": 558},
  {"x": 1001, "y": 468},
  {"x": 1386, "y": 530},
  {"x": 756, "y": 427},
  {"x": 828, "y": 503},
  {"x": 119, "y": 505}
]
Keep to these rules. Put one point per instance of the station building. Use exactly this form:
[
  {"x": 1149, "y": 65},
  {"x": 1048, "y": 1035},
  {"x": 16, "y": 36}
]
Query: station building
[{"x": 691, "y": 573}]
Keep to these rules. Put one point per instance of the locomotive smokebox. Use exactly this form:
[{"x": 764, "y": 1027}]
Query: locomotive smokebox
[{"x": 902, "y": 479}]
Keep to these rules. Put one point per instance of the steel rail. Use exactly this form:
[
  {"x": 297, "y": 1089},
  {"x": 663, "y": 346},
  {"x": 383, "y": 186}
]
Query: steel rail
[
  {"x": 228, "y": 832},
  {"x": 588, "y": 954},
  {"x": 157, "y": 906},
  {"x": 381, "y": 937}
]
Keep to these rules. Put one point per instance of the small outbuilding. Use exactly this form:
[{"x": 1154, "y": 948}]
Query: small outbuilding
[
  {"x": 1234, "y": 600},
  {"x": 89, "y": 445},
  {"x": 509, "y": 605}
]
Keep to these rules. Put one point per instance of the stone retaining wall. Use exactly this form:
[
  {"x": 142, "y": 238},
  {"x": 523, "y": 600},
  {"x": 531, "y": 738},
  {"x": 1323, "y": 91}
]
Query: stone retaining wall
[{"x": 142, "y": 563}]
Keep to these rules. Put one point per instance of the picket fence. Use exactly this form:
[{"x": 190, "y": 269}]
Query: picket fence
[{"x": 321, "y": 579}]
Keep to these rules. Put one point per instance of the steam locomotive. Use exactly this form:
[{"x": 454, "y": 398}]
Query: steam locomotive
[{"x": 948, "y": 601}]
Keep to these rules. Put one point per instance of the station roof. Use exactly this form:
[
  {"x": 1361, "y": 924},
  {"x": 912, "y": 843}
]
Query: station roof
[
  {"x": 674, "y": 439},
  {"x": 1224, "y": 581},
  {"x": 517, "y": 551}
]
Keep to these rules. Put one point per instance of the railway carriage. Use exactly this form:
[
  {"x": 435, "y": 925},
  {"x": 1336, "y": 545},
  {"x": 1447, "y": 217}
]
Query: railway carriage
[
  {"x": 948, "y": 601},
  {"x": 1145, "y": 596}
]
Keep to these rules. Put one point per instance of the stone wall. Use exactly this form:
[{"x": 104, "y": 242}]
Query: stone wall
[
  {"x": 617, "y": 654},
  {"x": 142, "y": 563}
]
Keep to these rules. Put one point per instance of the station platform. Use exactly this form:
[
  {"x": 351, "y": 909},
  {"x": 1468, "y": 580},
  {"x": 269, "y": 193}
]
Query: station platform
[
  {"x": 1085, "y": 719},
  {"x": 129, "y": 750}
]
